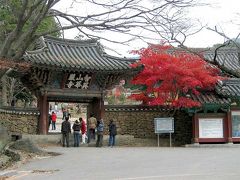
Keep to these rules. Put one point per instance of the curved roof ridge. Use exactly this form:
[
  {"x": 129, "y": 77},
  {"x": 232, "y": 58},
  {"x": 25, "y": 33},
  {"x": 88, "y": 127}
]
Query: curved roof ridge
[
  {"x": 70, "y": 41},
  {"x": 223, "y": 50},
  {"x": 42, "y": 43},
  {"x": 41, "y": 47},
  {"x": 231, "y": 81},
  {"x": 121, "y": 58},
  {"x": 37, "y": 51},
  {"x": 72, "y": 54}
]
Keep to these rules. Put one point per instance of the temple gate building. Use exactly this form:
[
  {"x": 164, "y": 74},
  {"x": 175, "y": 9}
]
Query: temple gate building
[
  {"x": 80, "y": 71},
  {"x": 72, "y": 71}
]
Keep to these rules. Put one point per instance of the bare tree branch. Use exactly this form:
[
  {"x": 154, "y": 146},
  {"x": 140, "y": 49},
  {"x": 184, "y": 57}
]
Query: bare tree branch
[
  {"x": 115, "y": 16},
  {"x": 225, "y": 36}
]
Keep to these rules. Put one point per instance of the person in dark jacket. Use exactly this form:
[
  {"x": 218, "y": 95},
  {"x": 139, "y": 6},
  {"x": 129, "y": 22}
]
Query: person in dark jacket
[
  {"x": 100, "y": 128},
  {"x": 66, "y": 130},
  {"x": 66, "y": 114},
  {"x": 49, "y": 120},
  {"x": 112, "y": 133},
  {"x": 76, "y": 133}
]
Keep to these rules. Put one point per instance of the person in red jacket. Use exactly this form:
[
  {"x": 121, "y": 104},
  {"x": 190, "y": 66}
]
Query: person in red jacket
[
  {"x": 54, "y": 119},
  {"x": 83, "y": 130}
]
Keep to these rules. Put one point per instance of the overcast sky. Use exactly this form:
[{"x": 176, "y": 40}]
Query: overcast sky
[{"x": 222, "y": 13}]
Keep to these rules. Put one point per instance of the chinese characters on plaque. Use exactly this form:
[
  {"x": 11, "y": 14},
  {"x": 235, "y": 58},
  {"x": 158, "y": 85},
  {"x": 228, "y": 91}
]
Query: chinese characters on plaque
[{"x": 78, "y": 80}]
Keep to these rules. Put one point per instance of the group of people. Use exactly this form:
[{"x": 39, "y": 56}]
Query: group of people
[
  {"x": 52, "y": 118},
  {"x": 98, "y": 126},
  {"x": 79, "y": 127}
]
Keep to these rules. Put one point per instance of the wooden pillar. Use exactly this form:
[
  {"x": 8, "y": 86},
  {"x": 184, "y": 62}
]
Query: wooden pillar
[
  {"x": 47, "y": 124},
  {"x": 98, "y": 108},
  {"x": 102, "y": 110},
  {"x": 195, "y": 129},
  {"x": 43, "y": 115},
  {"x": 229, "y": 127}
]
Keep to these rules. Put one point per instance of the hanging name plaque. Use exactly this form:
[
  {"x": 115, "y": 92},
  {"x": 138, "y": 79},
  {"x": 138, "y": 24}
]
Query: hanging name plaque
[{"x": 78, "y": 80}]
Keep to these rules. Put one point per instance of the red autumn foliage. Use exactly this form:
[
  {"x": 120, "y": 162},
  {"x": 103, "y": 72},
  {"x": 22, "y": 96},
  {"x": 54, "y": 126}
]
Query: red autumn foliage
[{"x": 171, "y": 77}]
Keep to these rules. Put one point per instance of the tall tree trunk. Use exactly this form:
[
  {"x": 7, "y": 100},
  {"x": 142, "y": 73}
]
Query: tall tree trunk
[{"x": 4, "y": 90}]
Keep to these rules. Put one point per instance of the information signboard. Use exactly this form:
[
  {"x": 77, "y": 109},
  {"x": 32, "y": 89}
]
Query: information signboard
[
  {"x": 235, "y": 124},
  {"x": 210, "y": 128},
  {"x": 164, "y": 125}
]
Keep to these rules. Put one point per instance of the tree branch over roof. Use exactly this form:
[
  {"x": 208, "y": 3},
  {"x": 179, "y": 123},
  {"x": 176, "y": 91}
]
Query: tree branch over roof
[
  {"x": 225, "y": 44},
  {"x": 118, "y": 16},
  {"x": 150, "y": 19}
]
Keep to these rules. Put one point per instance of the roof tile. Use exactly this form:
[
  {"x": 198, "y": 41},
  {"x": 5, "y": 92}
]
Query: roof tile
[{"x": 72, "y": 54}]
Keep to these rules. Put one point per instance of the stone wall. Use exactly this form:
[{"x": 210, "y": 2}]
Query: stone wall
[
  {"x": 139, "y": 122},
  {"x": 19, "y": 121}
]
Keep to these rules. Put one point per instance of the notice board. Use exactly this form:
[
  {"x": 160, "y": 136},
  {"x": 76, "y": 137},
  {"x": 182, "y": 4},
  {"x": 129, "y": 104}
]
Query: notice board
[{"x": 164, "y": 125}]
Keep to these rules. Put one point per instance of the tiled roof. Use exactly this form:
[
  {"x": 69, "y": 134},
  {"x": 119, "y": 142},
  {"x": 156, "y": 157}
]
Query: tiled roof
[
  {"x": 211, "y": 98},
  {"x": 141, "y": 108},
  {"x": 15, "y": 110},
  {"x": 86, "y": 55},
  {"x": 229, "y": 87},
  {"x": 228, "y": 57}
]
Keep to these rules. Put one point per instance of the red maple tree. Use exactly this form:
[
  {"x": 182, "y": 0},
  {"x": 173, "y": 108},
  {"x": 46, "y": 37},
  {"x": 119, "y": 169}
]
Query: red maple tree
[{"x": 170, "y": 77}]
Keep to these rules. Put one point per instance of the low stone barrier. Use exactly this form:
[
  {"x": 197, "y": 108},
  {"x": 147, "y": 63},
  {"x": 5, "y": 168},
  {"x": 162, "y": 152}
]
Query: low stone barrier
[{"x": 19, "y": 121}]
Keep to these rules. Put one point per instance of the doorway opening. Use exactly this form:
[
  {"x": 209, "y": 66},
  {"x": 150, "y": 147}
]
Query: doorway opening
[{"x": 75, "y": 111}]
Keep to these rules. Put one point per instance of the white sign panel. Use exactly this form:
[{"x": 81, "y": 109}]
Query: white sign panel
[
  {"x": 235, "y": 124},
  {"x": 210, "y": 128},
  {"x": 164, "y": 125},
  {"x": 236, "y": 113}
]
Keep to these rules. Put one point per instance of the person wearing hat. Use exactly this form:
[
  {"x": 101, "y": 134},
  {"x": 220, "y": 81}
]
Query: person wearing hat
[{"x": 76, "y": 132}]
